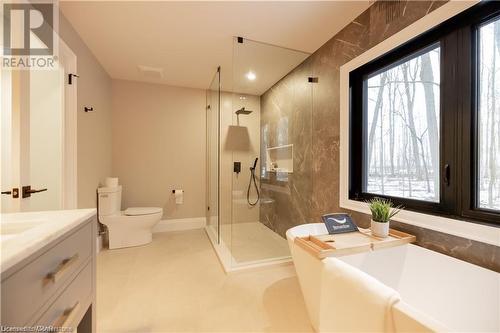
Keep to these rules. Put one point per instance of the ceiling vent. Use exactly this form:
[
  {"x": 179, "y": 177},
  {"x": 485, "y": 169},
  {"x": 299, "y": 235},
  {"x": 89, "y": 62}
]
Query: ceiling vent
[{"x": 151, "y": 72}]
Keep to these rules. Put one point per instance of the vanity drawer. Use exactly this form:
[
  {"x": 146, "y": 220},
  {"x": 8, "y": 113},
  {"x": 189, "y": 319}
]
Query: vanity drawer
[
  {"x": 25, "y": 291},
  {"x": 73, "y": 302}
]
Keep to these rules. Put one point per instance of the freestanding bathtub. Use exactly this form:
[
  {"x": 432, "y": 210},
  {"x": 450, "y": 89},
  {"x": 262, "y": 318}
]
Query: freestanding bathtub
[{"x": 437, "y": 292}]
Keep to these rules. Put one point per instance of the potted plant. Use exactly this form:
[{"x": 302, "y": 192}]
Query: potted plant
[{"x": 382, "y": 212}]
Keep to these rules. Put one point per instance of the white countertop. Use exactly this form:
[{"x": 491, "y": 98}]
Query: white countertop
[{"x": 41, "y": 228}]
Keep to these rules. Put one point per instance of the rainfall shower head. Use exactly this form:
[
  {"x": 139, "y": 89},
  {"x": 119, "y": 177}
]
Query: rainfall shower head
[{"x": 243, "y": 111}]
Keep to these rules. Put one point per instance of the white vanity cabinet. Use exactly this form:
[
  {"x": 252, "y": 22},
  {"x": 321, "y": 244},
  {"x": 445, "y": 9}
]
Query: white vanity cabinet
[{"x": 54, "y": 286}]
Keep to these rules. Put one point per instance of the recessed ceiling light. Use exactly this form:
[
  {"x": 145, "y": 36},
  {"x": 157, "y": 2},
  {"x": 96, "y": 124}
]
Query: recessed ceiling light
[{"x": 251, "y": 76}]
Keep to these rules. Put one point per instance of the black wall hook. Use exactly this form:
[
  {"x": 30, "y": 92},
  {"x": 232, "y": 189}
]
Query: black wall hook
[
  {"x": 71, "y": 76},
  {"x": 88, "y": 109}
]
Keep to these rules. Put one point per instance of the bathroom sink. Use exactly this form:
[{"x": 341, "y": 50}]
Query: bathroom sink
[
  {"x": 17, "y": 227},
  {"x": 24, "y": 233}
]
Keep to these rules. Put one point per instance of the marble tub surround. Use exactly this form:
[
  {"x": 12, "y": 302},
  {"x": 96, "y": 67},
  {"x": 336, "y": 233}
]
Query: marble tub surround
[
  {"x": 313, "y": 190},
  {"x": 23, "y": 234},
  {"x": 481, "y": 254}
]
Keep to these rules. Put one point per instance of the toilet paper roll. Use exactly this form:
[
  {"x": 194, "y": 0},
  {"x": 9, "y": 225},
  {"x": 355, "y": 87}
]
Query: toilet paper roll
[
  {"x": 111, "y": 182},
  {"x": 179, "y": 197}
]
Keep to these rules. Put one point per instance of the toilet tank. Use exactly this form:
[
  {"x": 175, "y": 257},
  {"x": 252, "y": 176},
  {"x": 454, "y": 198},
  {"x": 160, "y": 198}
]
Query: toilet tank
[{"x": 109, "y": 200}]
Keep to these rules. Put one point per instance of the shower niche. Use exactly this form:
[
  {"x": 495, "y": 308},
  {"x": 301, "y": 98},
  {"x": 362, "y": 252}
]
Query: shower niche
[{"x": 279, "y": 159}]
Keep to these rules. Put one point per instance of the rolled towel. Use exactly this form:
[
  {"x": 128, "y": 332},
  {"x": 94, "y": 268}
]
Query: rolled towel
[
  {"x": 111, "y": 182},
  {"x": 309, "y": 273},
  {"x": 353, "y": 301}
]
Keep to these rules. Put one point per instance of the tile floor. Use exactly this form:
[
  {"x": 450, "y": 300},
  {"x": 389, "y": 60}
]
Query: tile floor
[
  {"x": 176, "y": 284},
  {"x": 253, "y": 242}
]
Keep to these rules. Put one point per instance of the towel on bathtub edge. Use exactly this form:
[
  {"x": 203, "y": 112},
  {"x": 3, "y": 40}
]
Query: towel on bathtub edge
[{"x": 353, "y": 301}]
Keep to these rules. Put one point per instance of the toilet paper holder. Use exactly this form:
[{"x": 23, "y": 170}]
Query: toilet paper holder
[
  {"x": 179, "y": 196},
  {"x": 173, "y": 191}
]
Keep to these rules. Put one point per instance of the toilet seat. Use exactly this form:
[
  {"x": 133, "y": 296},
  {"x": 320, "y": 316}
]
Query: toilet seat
[{"x": 136, "y": 211}]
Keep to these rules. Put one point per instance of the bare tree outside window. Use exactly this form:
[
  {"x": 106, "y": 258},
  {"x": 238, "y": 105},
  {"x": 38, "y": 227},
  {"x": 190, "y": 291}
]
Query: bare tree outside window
[
  {"x": 403, "y": 129},
  {"x": 489, "y": 117}
]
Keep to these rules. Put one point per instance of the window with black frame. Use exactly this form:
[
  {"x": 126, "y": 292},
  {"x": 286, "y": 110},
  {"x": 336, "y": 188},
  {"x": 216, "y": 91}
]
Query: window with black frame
[
  {"x": 488, "y": 114},
  {"x": 425, "y": 121}
]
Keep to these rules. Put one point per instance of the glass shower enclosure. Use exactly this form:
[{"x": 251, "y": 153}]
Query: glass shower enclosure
[
  {"x": 212, "y": 167},
  {"x": 259, "y": 129}
]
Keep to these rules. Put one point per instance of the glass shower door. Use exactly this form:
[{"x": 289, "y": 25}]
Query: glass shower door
[
  {"x": 268, "y": 136},
  {"x": 213, "y": 144}
]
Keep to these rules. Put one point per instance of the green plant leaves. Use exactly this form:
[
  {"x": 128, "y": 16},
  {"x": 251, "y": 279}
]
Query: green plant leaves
[{"x": 383, "y": 209}]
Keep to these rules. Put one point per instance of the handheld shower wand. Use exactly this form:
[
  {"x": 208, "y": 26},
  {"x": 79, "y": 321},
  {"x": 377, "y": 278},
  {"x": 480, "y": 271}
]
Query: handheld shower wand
[
  {"x": 255, "y": 163},
  {"x": 253, "y": 178}
]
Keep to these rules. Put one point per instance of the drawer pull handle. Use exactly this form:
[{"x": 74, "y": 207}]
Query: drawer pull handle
[
  {"x": 61, "y": 269},
  {"x": 67, "y": 316}
]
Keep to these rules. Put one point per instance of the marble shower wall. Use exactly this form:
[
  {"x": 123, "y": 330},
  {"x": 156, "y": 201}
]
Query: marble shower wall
[
  {"x": 287, "y": 197},
  {"x": 314, "y": 111}
]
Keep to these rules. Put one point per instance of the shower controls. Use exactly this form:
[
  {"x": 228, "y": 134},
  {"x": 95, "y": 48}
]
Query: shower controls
[{"x": 237, "y": 167}]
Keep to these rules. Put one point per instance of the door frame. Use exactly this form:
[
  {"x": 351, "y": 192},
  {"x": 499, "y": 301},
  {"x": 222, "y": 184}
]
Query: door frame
[
  {"x": 68, "y": 60},
  {"x": 16, "y": 92}
]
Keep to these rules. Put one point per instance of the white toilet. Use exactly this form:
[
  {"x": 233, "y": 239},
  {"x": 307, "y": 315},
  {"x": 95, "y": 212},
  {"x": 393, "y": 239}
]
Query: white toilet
[{"x": 131, "y": 227}]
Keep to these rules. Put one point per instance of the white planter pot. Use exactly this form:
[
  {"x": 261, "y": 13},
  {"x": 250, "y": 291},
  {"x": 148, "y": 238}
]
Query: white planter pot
[{"x": 380, "y": 229}]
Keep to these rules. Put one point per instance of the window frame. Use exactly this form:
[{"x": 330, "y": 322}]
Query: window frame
[
  {"x": 470, "y": 115},
  {"x": 458, "y": 40}
]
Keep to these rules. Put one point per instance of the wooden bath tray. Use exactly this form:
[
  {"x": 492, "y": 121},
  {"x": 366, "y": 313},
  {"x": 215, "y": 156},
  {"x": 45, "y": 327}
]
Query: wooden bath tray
[{"x": 322, "y": 246}]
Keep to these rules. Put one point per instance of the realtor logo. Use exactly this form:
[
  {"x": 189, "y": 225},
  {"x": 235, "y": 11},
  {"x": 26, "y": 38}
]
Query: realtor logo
[
  {"x": 28, "y": 35},
  {"x": 27, "y": 29}
]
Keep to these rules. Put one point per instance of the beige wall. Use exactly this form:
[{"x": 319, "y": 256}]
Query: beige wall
[
  {"x": 159, "y": 145},
  {"x": 94, "y": 129}
]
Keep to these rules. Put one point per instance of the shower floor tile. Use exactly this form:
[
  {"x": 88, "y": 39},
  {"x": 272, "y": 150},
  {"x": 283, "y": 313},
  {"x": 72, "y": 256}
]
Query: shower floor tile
[{"x": 253, "y": 242}]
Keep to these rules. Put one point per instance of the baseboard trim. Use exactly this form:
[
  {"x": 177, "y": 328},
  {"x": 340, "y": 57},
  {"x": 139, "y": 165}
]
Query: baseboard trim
[{"x": 180, "y": 224}]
